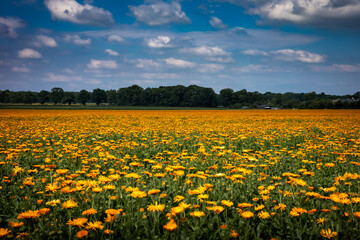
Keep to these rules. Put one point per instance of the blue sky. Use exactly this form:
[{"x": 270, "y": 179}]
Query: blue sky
[{"x": 258, "y": 45}]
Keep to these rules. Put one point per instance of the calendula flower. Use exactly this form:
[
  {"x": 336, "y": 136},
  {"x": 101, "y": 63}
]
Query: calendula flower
[
  {"x": 53, "y": 202},
  {"x": 95, "y": 225},
  {"x": 178, "y": 198},
  {"x": 69, "y": 204},
  {"x": 113, "y": 211},
  {"x": 280, "y": 206},
  {"x": 197, "y": 214},
  {"x": 245, "y": 205},
  {"x": 153, "y": 191},
  {"x": 171, "y": 225},
  {"x": 227, "y": 203},
  {"x": 29, "y": 214},
  {"x": 155, "y": 208},
  {"x": 4, "y": 232},
  {"x": 328, "y": 233},
  {"x": 357, "y": 215},
  {"x": 263, "y": 215},
  {"x": 62, "y": 171},
  {"x": 82, "y": 233},
  {"x": 217, "y": 209},
  {"x": 234, "y": 234},
  {"x": 44, "y": 211},
  {"x": 321, "y": 221},
  {"x": 247, "y": 214},
  {"x": 138, "y": 194},
  {"x": 77, "y": 222},
  {"x": 16, "y": 224},
  {"x": 90, "y": 211}
]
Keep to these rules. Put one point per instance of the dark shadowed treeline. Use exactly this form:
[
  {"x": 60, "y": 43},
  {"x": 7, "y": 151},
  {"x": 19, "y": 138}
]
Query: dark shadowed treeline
[{"x": 181, "y": 96}]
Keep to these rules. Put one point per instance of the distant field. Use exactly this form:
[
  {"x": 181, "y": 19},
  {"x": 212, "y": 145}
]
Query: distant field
[{"x": 205, "y": 174}]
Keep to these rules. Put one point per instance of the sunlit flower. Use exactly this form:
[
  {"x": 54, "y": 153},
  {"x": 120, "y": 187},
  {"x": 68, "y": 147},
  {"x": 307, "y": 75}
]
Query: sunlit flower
[
  {"x": 197, "y": 214},
  {"x": 171, "y": 225},
  {"x": 16, "y": 224},
  {"x": 247, "y": 214},
  {"x": 95, "y": 225},
  {"x": 320, "y": 221},
  {"x": 328, "y": 233},
  {"x": 82, "y": 233},
  {"x": 153, "y": 191},
  {"x": 227, "y": 203},
  {"x": 263, "y": 215},
  {"x": 69, "y": 204},
  {"x": 234, "y": 234},
  {"x": 77, "y": 222},
  {"x": 156, "y": 207},
  {"x": 90, "y": 211},
  {"x": 29, "y": 214},
  {"x": 4, "y": 232}
]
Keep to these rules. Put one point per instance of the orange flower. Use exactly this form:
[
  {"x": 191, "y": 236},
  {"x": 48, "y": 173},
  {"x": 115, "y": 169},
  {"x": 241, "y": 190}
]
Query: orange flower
[
  {"x": 263, "y": 215},
  {"x": 234, "y": 234},
  {"x": 113, "y": 211},
  {"x": 82, "y": 233},
  {"x": 155, "y": 208},
  {"x": 78, "y": 222},
  {"x": 70, "y": 204},
  {"x": 328, "y": 233},
  {"x": 16, "y": 224},
  {"x": 29, "y": 214},
  {"x": 4, "y": 232},
  {"x": 90, "y": 211},
  {"x": 247, "y": 214},
  {"x": 44, "y": 211},
  {"x": 95, "y": 225},
  {"x": 197, "y": 214},
  {"x": 170, "y": 226},
  {"x": 227, "y": 203},
  {"x": 153, "y": 191}
]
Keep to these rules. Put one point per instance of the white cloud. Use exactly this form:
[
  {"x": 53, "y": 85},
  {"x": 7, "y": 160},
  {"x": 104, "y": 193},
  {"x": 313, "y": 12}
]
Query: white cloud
[
  {"x": 254, "y": 52},
  {"x": 147, "y": 63},
  {"x": 206, "y": 51},
  {"x": 68, "y": 70},
  {"x": 338, "y": 68},
  {"x": 28, "y": 53},
  {"x": 217, "y": 23},
  {"x": 111, "y": 52},
  {"x": 72, "y": 11},
  {"x": 21, "y": 69},
  {"x": 9, "y": 25},
  {"x": 46, "y": 41},
  {"x": 54, "y": 77},
  {"x": 96, "y": 64},
  {"x": 115, "y": 38},
  {"x": 159, "y": 42},
  {"x": 253, "y": 68},
  {"x": 221, "y": 59},
  {"x": 75, "y": 39},
  {"x": 288, "y": 55},
  {"x": 179, "y": 63},
  {"x": 324, "y": 13},
  {"x": 210, "y": 68},
  {"x": 159, "y": 13},
  {"x": 303, "y": 56}
]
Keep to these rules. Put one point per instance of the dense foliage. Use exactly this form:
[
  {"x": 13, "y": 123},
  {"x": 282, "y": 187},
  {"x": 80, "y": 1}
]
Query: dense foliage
[{"x": 181, "y": 96}]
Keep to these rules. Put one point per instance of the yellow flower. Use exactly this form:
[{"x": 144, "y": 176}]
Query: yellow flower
[
  {"x": 177, "y": 210},
  {"x": 263, "y": 215},
  {"x": 227, "y": 203},
  {"x": 138, "y": 194},
  {"x": 29, "y": 214},
  {"x": 280, "y": 206},
  {"x": 321, "y": 221},
  {"x": 178, "y": 198},
  {"x": 170, "y": 226},
  {"x": 259, "y": 207},
  {"x": 197, "y": 214},
  {"x": 113, "y": 211},
  {"x": 69, "y": 204},
  {"x": 328, "y": 233},
  {"x": 155, "y": 208},
  {"x": 89, "y": 211},
  {"x": 153, "y": 191},
  {"x": 77, "y": 222},
  {"x": 247, "y": 214},
  {"x": 216, "y": 209},
  {"x": 245, "y": 205},
  {"x": 53, "y": 202},
  {"x": 95, "y": 225},
  {"x": 4, "y": 232}
]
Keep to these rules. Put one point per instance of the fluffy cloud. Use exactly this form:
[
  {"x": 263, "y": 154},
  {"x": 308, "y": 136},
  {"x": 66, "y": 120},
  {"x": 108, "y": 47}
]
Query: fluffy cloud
[
  {"x": 72, "y": 11},
  {"x": 288, "y": 55},
  {"x": 147, "y": 63},
  {"x": 42, "y": 40},
  {"x": 338, "y": 68},
  {"x": 210, "y": 68},
  {"x": 96, "y": 64},
  {"x": 206, "y": 51},
  {"x": 111, "y": 52},
  {"x": 29, "y": 53},
  {"x": 179, "y": 63},
  {"x": 75, "y": 39},
  {"x": 325, "y": 13},
  {"x": 159, "y": 13},
  {"x": 115, "y": 38},
  {"x": 303, "y": 56},
  {"x": 9, "y": 25},
  {"x": 54, "y": 77},
  {"x": 253, "y": 68},
  {"x": 21, "y": 69},
  {"x": 159, "y": 42},
  {"x": 217, "y": 23}
]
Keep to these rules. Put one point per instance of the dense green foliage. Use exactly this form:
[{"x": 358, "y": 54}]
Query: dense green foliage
[{"x": 181, "y": 96}]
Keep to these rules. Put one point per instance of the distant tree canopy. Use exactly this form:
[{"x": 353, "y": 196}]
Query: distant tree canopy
[{"x": 181, "y": 96}]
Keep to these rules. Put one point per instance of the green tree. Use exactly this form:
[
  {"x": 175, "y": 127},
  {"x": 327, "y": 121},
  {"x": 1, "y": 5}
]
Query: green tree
[
  {"x": 99, "y": 96},
  {"x": 56, "y": 95},
  {"x": 83, "y": 96},
  {"x": 111, "y": 96},
  {"x": 43, "y": 96},
  {"x": 69, "y": 98},
  {"x": 27, "y": 97},
  {"x": 226, "y": 97}
]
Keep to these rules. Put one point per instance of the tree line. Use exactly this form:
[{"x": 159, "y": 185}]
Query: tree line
[{"x": 181, "y": 96}]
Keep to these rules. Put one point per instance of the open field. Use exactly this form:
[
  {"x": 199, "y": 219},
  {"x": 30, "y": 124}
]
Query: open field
[{"x": 286, "y": 174}]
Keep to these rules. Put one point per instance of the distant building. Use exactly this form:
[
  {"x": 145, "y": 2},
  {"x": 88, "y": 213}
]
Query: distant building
[
  {"x": 345, "y": 100},
  {"x": 264, "y": 107}
]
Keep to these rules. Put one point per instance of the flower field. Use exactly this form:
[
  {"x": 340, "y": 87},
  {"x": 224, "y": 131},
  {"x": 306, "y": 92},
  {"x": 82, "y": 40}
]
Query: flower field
[{"x": 254, "y": 174}]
